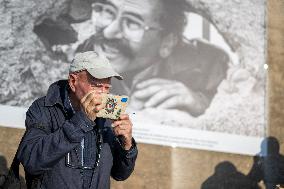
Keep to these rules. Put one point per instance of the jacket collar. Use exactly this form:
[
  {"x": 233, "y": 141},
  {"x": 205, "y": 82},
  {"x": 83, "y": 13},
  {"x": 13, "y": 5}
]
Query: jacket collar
[{"x": 56, "y": 93}]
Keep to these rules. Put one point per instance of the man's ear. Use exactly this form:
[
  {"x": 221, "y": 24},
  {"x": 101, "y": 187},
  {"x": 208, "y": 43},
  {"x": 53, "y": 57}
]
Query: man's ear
[
  {"x": 72, "y": 81},
  {"x": 167, "y": 45}
]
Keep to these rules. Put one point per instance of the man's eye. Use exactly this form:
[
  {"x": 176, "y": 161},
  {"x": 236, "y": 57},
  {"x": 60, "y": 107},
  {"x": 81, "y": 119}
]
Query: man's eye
[
  {"x": 97, "y": 8},
  {"x": 108, "y": 13},
  {"x": 132, "y": 24},
  {"x": 104, "y": 11}
]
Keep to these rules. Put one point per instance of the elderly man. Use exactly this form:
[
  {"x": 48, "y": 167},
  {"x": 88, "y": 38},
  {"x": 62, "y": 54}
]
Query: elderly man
[
  {"x": 144, "y": 41},
  {"x": 65, "y": 144}
]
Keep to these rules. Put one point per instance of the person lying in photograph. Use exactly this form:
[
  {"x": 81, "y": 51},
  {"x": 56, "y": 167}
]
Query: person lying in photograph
[{"x": 145, "y": 43}]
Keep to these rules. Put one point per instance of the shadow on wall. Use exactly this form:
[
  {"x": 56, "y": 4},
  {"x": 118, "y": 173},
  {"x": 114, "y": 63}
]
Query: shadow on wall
[
  {"x": 268, "y": 164},
  {"x": 268, "y": 167},
  {"x": 4, "y": 172},
  {"x": 227, "y": 176}
]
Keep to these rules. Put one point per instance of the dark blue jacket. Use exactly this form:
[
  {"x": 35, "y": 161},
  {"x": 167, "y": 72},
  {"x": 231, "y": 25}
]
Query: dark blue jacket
[{"x": 52, "y": 132}]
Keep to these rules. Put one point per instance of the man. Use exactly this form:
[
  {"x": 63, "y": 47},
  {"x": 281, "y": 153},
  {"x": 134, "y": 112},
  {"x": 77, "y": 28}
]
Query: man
[
  {"x": 65, "y": 145},
  {"x": 144, "y": 41}
]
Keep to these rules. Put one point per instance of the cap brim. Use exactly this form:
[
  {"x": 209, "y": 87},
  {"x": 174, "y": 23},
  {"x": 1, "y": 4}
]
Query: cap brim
[{"x": 102, "y": 73}]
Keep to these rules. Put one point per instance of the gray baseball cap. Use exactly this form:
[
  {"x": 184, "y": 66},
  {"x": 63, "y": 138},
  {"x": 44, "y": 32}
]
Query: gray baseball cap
[{"x": 96, "y": 64}]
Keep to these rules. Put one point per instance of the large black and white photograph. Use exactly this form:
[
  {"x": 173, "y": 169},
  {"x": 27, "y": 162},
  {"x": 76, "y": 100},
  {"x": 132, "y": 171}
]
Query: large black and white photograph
[{"x": 194, "y": 70}]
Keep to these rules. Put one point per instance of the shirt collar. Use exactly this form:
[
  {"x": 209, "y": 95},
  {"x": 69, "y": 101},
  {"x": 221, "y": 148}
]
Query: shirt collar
[
  {"x": 55, "y": 93},
  {"x": 67, "y": 102},
  {"x": 58, "y": 94}
]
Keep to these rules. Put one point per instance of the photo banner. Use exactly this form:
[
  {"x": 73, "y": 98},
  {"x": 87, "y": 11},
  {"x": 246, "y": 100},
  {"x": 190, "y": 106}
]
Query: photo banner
[{"x": 195, "y": 71}]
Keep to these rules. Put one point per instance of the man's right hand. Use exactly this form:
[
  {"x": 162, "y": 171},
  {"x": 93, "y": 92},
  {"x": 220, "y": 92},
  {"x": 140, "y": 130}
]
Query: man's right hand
[
  {"x": 91, "y": 104},
  {"x": 168, "y": 94}
]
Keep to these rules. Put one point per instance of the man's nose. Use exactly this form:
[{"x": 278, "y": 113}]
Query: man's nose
[{"x": 113, "y": 30}]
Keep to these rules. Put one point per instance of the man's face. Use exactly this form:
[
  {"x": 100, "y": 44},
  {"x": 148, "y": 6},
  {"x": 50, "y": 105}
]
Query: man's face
[
  {"x": 122, "y": 32},
  {"x": 83, "y": 83}
]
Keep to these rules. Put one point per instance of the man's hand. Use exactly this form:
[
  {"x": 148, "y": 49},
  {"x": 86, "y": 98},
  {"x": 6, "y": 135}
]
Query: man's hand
[
  {"x": 169, "y": 94},
  {"x": 91, "y": 104},
  {"x": 123, "y": 128}
]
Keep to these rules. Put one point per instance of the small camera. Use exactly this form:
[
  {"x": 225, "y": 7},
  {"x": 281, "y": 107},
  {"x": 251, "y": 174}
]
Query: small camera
[{"x": 114, "y": 106}]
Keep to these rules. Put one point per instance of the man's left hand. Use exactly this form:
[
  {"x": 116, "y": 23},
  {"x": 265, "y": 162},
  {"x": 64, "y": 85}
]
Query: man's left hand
[{"x": 123, "y": 128}]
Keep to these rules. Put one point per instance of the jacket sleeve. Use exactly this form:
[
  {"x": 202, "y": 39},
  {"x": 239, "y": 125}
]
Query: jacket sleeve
[
  {"x": 41, "y": 148},
  {"x": 123, "y": 160}
]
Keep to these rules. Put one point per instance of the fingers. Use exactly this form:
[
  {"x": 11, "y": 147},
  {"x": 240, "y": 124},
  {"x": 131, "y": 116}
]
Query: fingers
[
  {"x": 123, "y": 124},
  {"x": 124, "y": 117},
  {"x": 160, "y": 97},
  {"x": 119, "y": 132},
  {"x": 173, "y": 102},
  {"x": 123, "y": 127},
  {"x": 94, "y": 105},
  {"x": 91, "y": 104},
  {"x": 91, "y": 97},
  {"x": 154, "y": 81},
  {"x": 146, "y": 92},
  {"x": 87, "y": 95},
  {"x": 158, "y": 93},
  {"x": 150, "y": 87}
]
